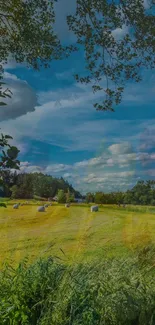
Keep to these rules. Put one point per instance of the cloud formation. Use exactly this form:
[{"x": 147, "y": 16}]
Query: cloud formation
[
  {"x": 22, "y": 101},
  {"x": 121, "y": 148},
  {"x": 117, "y": 168}
]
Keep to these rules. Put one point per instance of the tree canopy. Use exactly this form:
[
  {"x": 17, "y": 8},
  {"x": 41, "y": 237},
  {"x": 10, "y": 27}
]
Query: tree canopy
[
  {"x": 35, "y": 185},
  {"x": 8, "y": 160},
  {"x": 38, "y": 185},
  {"x": 27, "y": 34},
  {"x": 143, "y": 193},
  {"x": 111, "y": 61}
]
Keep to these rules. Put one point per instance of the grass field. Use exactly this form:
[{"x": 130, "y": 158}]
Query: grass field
[
  {"x": 73, "y": 233},
  {"x": 62, "y": 291}
]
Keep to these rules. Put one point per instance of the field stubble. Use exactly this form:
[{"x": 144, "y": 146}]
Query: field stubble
[{"x": 73, "y": 234}]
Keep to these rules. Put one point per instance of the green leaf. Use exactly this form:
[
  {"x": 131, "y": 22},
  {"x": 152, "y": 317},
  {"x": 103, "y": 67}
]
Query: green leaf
[
  {"x": 12, "y": 152},
  {"x": 2, "y": 103}
]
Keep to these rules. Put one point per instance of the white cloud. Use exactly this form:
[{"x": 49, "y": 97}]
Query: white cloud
[
  {"x": 56, "y": 168},
  {"x": 82, "y": 164},
  {"x": 31, "y": 169},
  {"x": 110, "y": 162},
  {"x": 114, "y": 177},
  {"x": 121, "y": 148},
  {"x": 87, "y": 176},
  {"x": 10, "y": 76},
  {"x": 66, "y": 118},
  {"x": 12, "y": 64},
  {"x": 22, "y": 101},
  {"x": 67, "y": 175},
  {"x": 147, "y": 136},
  {"x": 91, "y": 162},
  {"x": 24, "y": 164},
  {"x": 119, "y": 33}
]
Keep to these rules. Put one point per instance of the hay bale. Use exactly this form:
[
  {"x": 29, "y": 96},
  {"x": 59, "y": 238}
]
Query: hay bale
[
  {"x": 67, "y": 205},
  {"x": 94, "y": 208},
  {"x": 16, "y": 206},
  {"x": 41, "y": 209}
]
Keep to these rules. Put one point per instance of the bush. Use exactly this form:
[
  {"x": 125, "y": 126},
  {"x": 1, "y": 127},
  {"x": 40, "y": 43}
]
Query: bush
[
  {"x": 61, "y": 196},
  {"x": 3, "y": 205},
  {"x": 24, "y": 291},
  {"x": 112, "y": 292}
]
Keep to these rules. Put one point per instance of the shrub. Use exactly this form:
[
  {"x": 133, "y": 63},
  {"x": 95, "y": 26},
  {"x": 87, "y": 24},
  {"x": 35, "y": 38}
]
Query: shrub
[
  {"x": 61, "y": 196},
  {"x": 111, "y": 292},
  {"x": 3, "y": 205}
]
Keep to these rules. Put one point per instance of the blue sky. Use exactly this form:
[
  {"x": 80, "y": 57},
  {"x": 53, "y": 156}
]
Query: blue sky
[{"x": 54, "y": 124}]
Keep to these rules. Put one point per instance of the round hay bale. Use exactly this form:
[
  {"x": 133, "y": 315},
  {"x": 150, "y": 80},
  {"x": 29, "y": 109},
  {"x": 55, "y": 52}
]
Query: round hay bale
[
  {"x": 16, "y": 206},
  {"x": 67, "y": 205},
  {"x": 41, "y": 209},
  {"x": 94, "y": 208}
]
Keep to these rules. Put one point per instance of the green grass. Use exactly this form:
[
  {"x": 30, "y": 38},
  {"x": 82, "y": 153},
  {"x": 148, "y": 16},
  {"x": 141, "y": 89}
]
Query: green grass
[
  {"x": 86, "y": 268},
  {"x": 111, "y": 292},
  {"x": 74, "y": 233}
]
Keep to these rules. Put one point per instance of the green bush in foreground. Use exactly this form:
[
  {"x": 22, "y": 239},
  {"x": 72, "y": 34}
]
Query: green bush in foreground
[{"x": 111, "y": 292}]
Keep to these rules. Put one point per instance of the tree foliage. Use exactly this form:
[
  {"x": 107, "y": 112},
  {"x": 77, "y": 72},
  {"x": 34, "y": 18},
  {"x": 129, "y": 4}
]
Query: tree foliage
[
  {"x": 143, "y": 193},
  {"x": 111, "y": 62},
  {"x": 61, "y": 196},
  {"x": 89, "y": 197},
  {"x": 28, "y": 186},
  {"x": 27, "y": 35},
  {"x": 70, "y": 197},
  {"x": 27, "y": 32},
  {"x": 8, "y": 155}
]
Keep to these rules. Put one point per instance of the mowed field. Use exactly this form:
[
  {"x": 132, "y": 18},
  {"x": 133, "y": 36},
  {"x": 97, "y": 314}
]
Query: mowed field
[{"x": 74, "y": 233}]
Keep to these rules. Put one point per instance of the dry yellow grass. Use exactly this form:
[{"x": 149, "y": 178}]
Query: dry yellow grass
[{"x": 76, "y": 231}]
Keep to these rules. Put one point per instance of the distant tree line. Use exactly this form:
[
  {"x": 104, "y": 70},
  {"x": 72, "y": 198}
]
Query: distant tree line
[
  {"x": 143, "y": 193},
  {"x": 35, "y": 185}
]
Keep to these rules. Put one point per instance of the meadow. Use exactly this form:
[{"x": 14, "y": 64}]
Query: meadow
[
  {"x": 73, "y": 233},
  {"x": 68, "y": 266}
]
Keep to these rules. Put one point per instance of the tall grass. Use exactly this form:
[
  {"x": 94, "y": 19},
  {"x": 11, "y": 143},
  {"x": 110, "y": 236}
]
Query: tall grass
[{"x": 105, "y": 292}]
